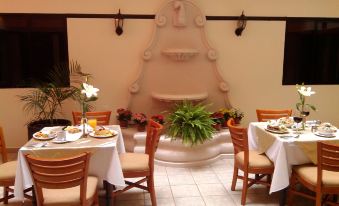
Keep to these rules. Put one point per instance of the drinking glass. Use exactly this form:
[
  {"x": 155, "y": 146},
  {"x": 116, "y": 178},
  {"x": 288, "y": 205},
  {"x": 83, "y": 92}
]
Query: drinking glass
[
  {"x": 297, "y": 118},
  {"x": 92, "y": 123}
]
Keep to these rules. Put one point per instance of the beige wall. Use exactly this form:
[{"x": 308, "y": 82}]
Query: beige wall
[{"x": 252, "y": 63}]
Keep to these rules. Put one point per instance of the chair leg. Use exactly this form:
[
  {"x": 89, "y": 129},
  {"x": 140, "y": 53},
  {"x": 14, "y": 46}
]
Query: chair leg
[
  {"x": 96, "y": 199},
  {"x": 150, "y": 185},
  {"x": 318, "y": 198},
  {"x": 293, "y": 182},
  {"x": 244, "y": 188},
  {"x": 235, "y": 177},
  {"x": 6, "y": 195}
]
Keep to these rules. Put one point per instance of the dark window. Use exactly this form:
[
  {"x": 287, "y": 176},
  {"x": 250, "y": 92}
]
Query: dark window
[
  {"x": 311, "y": 52},
  {"x": 30, "y": 47}
]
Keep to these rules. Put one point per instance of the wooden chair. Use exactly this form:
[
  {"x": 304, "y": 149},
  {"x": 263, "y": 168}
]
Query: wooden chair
[
  {"x": 63, "y": 181},
  {"x": 101, "y": 117},
  {"x": 8, "y": 169},
  {"x": 321, "y": 179},
  {"x": 248, "y": 161},
  {"x": 136, "y": 165},
  {"x": 264, "y": 115}
]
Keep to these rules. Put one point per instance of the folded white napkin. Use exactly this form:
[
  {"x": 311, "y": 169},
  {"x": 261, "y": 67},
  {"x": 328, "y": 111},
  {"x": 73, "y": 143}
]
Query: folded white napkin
[
  {"x": 88, "y": 128},
  {"x": 47, "y": 130}
]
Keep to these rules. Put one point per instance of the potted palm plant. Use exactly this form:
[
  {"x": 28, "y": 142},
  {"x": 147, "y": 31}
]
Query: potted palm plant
[
  {"x": 190, "y": 123},
  {"x": 45, "y": 102}
]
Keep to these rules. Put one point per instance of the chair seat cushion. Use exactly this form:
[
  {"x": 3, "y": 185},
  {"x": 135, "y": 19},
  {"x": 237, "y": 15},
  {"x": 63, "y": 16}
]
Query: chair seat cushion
[
  {"x": 8, "y": 170},
  {"x": 69, "y": 196},
  {"x": 309, "y": 174},
  {"x": 256, "y": 160},
  {"x": 134, "y": 162}
]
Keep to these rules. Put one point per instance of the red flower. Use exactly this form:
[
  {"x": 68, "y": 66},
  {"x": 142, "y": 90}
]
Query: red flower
[
  {"x": 158, "y": 118},
  {"x": 124, "y": 114},
  {"x": 218, "y": 117},
  {"x": 140, "y": 118}
]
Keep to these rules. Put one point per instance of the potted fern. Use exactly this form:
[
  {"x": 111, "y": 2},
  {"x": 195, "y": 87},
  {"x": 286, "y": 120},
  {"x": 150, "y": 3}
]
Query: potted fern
[
  {"x": 45, "y": 102},
  {"x": 190, "y": 123}
]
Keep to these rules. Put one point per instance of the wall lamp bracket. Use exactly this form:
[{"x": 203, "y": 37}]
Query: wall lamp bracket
[
  {"x": 119, "y": 23},
  {"x": 241, "y": 24}
]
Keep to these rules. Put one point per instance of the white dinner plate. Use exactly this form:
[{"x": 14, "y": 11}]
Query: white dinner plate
[
  {"x": 114, "y": 133},
  {"x": 277, "y": 131},
  {"x": 327, "y": 135},
  {"x": 60, "y": 140},
  {"x": 44, "y": 136}
]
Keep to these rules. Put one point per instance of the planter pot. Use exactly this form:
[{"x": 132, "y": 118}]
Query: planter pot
[
  {"x": 38, "y": 125},
  {"x": 237, "y": 120},
  {"x": 217, "y": 127},
  {"x": 141, "y": 128},
  {"x": 123, "y": 123},
  {"x": 224, "y": 124}
]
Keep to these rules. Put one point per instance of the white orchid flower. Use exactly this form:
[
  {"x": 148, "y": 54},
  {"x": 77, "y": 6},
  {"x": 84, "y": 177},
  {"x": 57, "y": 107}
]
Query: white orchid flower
[
  {"x": 89, "y": 90},
  {"x": 306, "y": 91}
]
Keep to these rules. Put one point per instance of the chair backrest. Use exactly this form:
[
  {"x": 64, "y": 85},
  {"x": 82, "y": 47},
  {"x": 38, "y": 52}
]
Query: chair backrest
[
  {"x": 328, "y": 159},
  {"x": 59, "y": 174},
  {"x": 264, "y": 115},
  {"x": 101, "y": 117},
  {"x": 152, "y": 139},
  {"x": 239, "y": 139},
  {"x": 3, "y": 151}
]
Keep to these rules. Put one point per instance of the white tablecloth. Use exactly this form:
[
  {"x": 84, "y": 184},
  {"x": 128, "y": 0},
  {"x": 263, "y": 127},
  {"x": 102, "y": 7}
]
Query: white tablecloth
[
  {"x": 283, "y": 153},
  {"x": 104, "y": 162}
]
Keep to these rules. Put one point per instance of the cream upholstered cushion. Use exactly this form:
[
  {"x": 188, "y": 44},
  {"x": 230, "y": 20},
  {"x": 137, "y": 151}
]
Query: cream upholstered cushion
[
  {"x": 8, "y": 170},
  {"x": 69, "y": 196},
  {"x": 309, "y": 174},
  {"x": 255, "y": 159},
  {"x": 134, "y": 162}
]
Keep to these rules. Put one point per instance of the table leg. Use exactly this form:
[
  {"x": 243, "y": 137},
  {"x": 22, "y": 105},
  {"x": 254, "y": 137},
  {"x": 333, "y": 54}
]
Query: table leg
[
  {"x": 108, "y": 196},
  {"x": 283, "y": 196}
]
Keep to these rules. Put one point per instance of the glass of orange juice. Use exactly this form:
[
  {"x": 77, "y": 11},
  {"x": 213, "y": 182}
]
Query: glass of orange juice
[{"x": 92, "y": 123}]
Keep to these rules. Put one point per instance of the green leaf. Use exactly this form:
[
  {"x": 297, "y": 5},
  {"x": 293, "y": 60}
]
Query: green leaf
[{"x": 192, "y": 123}]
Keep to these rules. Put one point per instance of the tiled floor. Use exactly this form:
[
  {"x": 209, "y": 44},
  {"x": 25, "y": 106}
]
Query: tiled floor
[{"x": 209, "y": 185}]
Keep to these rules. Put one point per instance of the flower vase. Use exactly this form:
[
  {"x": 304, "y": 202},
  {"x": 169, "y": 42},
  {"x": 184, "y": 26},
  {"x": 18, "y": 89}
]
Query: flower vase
[
  {"x": 123, "y": 123},
  {"x": 141, "y": 128},
  {"x": 84, "y": 121}
]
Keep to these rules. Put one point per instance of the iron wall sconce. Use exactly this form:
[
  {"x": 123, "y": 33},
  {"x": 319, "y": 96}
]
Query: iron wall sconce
[
  {"x": 241, "y": 24},
  {"x": 119, "y": 23}
]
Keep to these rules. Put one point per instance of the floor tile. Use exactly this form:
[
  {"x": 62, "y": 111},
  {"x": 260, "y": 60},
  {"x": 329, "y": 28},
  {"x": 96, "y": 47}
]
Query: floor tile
[
  {"x": 177, "y": 171},
  {"x": 185, "y": 191},
  {"x": 130, "y": 203},
  {"x": 161, "y": 180},
  {"x": 251, "y": 199},
  {"x": 202, "y": 178},
  {"x": 132, "y": 194},
  {"x": 219, "y": 200},
  {"x": 189, "y": 201},
  {"x": 162, "y": 202},
  {"x": 160, "y": 170},
  {"x": 201, "y": 170},
  {"x": 181, "y": 180},
  {"x": 211, "y": 189},
  {"x": 161, "y": 192}
]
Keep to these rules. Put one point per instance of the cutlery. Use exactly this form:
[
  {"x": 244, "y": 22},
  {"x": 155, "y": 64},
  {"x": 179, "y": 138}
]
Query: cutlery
[{"x": 289, "y": 136}]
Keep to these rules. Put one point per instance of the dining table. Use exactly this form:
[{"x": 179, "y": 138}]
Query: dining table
[
  {"x": 285, "y": 149},
  {"x": 104, "y": 161}
]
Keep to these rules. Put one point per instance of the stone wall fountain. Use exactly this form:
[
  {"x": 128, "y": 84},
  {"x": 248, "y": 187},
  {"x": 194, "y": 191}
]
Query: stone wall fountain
[{"x": 179, "y": 64}]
